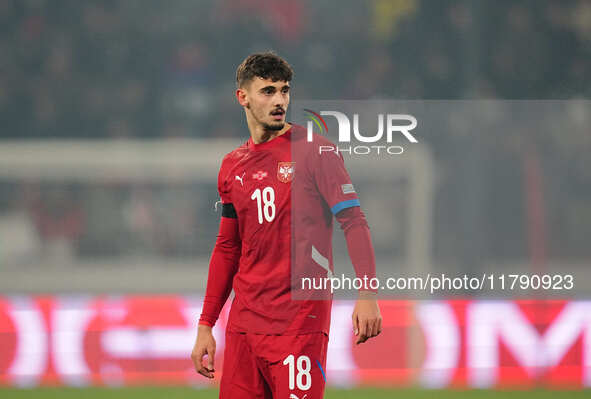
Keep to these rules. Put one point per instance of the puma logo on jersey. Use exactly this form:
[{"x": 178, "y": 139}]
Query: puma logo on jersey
[
  {"x": 240, "y": 178},
  {"x": 294, "y": 396}
]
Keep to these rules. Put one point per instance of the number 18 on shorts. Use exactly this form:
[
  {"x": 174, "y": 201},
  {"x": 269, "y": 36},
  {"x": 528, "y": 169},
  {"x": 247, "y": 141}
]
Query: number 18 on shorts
[{"x": 274, "y": 366}]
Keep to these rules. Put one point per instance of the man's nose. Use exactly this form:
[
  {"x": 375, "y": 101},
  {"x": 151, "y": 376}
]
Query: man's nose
[{"x": 279, "y": 99}]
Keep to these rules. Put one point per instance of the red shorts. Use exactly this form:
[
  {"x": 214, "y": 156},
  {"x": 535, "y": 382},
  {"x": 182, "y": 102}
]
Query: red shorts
[{"x": 274, "y": 366}]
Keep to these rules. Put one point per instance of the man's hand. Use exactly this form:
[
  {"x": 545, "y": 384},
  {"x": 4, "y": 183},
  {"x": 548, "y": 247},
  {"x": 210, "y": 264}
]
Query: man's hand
[
  {"x": 367, "y": 320},
  {"x": 204, "y": 345}
]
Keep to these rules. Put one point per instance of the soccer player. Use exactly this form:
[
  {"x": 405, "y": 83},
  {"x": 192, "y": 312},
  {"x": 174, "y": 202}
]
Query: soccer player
[{"x": 276, "y": 345}]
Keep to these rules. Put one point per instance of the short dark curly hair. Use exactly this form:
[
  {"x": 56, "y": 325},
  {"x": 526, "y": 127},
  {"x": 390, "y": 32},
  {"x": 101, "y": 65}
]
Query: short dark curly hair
[{"x": 267, "y": 65}]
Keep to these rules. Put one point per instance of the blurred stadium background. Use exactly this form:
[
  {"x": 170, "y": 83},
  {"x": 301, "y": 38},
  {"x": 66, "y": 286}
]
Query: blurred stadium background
[{"x": 114, "y": 118}]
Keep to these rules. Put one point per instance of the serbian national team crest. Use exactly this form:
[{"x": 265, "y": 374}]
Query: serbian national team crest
[{"x": 285, "y": 171}]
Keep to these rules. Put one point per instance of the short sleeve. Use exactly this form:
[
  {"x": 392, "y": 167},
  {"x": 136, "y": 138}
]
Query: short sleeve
[{"x": 334, "y": 182}]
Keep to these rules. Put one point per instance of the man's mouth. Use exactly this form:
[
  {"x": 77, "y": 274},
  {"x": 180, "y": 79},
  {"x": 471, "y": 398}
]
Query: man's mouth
[{"x": 278, "y": 114}]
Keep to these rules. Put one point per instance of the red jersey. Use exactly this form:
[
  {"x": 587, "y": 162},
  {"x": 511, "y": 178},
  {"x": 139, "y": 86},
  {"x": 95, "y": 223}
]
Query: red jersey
[{"x": 285, "y": 194}]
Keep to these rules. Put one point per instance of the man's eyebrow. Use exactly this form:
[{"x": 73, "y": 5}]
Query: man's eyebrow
[{"x": 268, "y": 87}]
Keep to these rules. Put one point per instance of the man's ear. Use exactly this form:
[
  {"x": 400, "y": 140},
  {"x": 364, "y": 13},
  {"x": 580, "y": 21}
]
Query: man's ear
[{"x": 241, "y": 97}]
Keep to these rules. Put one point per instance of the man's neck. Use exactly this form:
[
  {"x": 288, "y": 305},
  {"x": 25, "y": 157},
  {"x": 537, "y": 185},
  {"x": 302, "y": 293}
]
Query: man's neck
[{"x": 260, "y": 135}]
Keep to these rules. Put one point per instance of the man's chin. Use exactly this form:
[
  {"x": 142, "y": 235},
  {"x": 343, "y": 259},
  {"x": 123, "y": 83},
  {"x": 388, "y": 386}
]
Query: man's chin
[{"x": 274, "y": 126}]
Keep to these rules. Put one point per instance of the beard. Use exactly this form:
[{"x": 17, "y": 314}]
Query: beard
[
  {"x": 268, "y": 126},
  {"x": 273, "y": 126}
]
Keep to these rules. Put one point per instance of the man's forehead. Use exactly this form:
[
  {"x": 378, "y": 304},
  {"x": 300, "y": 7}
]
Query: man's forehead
[{"x": 259, "y": 82}]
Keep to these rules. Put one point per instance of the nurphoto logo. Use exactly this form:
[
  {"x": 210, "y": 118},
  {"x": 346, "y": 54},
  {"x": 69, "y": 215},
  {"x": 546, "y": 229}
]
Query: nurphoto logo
[{"x": 395, "y": 124}]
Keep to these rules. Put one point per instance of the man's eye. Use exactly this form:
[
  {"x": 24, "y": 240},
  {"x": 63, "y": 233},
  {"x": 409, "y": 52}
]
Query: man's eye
[{"x": 285, "y": 90}]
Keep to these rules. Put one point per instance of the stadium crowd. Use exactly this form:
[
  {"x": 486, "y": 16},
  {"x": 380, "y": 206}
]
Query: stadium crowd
[{"x": 97, "y": 69}]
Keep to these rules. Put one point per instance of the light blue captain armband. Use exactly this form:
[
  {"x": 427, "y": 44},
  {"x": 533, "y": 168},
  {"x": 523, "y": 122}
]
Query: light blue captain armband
[{"x": 344, "y": 205}]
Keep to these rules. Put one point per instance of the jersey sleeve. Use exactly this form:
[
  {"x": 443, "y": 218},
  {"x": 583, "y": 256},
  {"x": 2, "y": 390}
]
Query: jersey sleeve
[
  {"x": 223, "y": 265},
  {"x": 223, "y": 183},
  {"x": 361, "y": 252},
  {"x": 225, "y": 257},
  {"x": 333, "y": 182}
]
